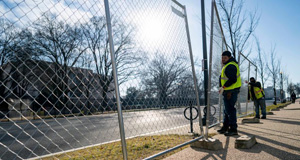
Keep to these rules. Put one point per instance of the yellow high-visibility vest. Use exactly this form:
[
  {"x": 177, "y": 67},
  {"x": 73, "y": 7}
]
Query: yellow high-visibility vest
[
  {"x": 257, "y": 92},
  {"x": 224, "y": 79}
]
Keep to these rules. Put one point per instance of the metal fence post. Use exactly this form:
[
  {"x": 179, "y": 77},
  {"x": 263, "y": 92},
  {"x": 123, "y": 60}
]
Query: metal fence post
[
  {"x": 224, "y": 48},
  {"x": 193, "y": 69},
  {"x": 184, "y": 15},
  {"x": 247, "y": 88},
  {"x": 210, "y": 68},
  {"x": 112, "y": 53},
  {"x": 204, "y": 52}
]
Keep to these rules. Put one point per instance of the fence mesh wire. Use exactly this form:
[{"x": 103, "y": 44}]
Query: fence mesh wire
[
  {"x": 56, "y": 84},
  {"x": 247, "y": 70},
  {"x": 55, "y": 78},
  {"x": 215, "y": 65},
  {"x": 161, "y": 87}
]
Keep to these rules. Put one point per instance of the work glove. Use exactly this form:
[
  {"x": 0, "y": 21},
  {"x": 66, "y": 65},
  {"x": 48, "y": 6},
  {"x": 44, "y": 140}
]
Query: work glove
[{"x": 221, "y": 90}]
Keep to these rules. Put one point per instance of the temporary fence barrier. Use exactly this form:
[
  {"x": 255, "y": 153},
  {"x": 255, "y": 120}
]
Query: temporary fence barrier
[{"x": 80, "y": 74}]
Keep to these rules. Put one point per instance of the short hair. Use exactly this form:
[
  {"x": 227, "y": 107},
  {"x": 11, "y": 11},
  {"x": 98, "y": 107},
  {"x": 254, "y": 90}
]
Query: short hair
[{"x": 226, "y": 53}]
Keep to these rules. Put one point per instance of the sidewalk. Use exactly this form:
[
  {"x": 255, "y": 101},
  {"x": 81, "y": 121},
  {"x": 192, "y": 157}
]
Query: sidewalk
[{"x": 278, "y": 137}]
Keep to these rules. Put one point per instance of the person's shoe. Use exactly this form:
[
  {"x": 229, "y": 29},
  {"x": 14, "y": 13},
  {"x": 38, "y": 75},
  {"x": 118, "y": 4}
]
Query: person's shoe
[
  {"x": 231, "y": 132},
  {"x": 263, "y": 117},
  {"x": 222, "y": 130},
  {"x": 257, "y": 117}
]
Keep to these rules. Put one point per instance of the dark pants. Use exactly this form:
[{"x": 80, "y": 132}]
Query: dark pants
[
  {"x": 262, "y": 104},
  {"x": 230, "y": 98}
]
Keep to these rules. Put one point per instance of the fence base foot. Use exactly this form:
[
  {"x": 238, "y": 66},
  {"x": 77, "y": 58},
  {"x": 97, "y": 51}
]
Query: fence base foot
[
  {"x": 270, "y": 113},
  {"x": 210, "y": 144},
  {"x": 250, "y": 120},
  {"x": 276, "y": 109},
  {"x": 245, "y": 142}
]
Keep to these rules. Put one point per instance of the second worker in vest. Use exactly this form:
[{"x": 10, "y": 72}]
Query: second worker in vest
[
  {"x": 230, "y": 84},
  {"x": 257, "y": 95}
]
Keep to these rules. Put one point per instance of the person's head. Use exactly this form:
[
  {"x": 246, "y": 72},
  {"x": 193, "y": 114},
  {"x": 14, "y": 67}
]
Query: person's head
[
  {"x": 226, "y": 55},
  {"x": 252, "y": 79}
]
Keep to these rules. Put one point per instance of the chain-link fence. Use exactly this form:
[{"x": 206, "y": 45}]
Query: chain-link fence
[
  {"x": 217, "y": 46},
  {"x": 56, "y": 77},
  {"x": 57, "y": 88},
  {"x": 247, "y": 69}
]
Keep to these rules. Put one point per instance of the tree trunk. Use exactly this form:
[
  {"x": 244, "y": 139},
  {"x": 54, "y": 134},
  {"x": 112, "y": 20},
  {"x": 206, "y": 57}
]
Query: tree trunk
[
  {"x": 275, "y": 101},
  {"x": 2, "y": 90}
]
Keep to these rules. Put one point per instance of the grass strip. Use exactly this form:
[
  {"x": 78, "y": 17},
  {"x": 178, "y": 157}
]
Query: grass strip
[{"x": 137, "y": 148}]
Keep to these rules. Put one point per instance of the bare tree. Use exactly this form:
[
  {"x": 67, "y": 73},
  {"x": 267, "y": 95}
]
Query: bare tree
[
  {"x": 17, "y": 55},
  {"x": 274, "y": 69},
  {"x": 261, "y": 64},
  {"x": 7, "y": 35},
  {"x": 162, "y": 76},
  {"x": 185, "y": 86},
  {"x": 238, "y": 24},
  {"x": 61, "y": 44},
  {"x": 127, "y": 57},
  {"x": 24, "y": 54},
  {"x": 132, "y": 93}
]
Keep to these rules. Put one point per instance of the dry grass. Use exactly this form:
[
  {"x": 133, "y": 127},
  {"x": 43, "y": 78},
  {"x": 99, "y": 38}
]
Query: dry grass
[
  {"x": 137, "y": 148},
  {"x": 269, "y": 108}
]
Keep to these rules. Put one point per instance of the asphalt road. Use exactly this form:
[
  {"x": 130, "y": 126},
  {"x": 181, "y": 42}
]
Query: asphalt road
[{"x": 27, "y": 139}]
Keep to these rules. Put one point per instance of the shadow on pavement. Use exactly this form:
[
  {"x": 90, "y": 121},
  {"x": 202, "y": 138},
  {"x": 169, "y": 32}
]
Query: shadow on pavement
[
  {"x": 272, "y": 150},
  {"x": 272, "y": 130},
  {"x": 296, "y": 119},
  {"x": 269, "y": 134},
  {"x": 285, "y": 121},
  {"x": 291, "y": 109}
]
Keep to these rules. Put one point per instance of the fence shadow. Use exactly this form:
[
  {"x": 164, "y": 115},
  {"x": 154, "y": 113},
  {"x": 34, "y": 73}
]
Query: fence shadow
[{"x": 281, "y": 154}]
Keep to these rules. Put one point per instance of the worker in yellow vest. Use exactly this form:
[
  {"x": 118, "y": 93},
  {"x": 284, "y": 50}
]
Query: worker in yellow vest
[
  {"x": 230, "y": 84},
  {"x": 257, "y": 95}
]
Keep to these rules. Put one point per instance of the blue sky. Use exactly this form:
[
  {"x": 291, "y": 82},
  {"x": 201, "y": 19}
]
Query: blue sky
[{"x": 279, "y": 25}]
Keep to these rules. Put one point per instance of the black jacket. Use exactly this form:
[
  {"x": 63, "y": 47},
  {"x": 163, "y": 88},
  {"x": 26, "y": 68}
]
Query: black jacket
[
  {"x": 230, "y": 73},
  {"x": 255, "y": 84}
]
